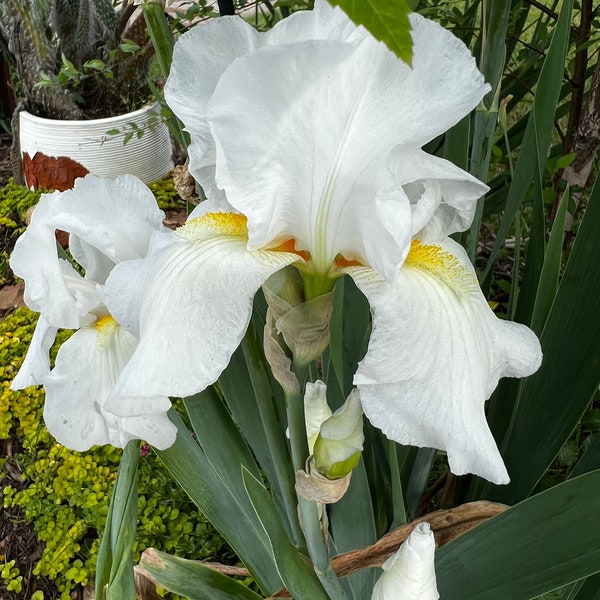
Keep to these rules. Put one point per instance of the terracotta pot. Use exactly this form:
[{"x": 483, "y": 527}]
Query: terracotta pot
[{"x": 56, "y": 152}]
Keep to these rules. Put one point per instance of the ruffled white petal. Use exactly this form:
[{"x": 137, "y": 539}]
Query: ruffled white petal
[
  {"x": 191, "y": 301},
  {"x": 52, "y": 286},
  {"x": 435, "y": 355},
  {"x": 36, "y": 366},
  {"x": 109, "y": 221},
  {"x": 310, "y": 156},
  {"x": 325, "y": 105},
  {"x": 34, "y": 259},
  {"x": 444, "y": 84},
  {"x": 409, "y": 574},
  {"x": 308, "y": 160},
  {"x": 324, "y": 22},
  {"x": 208, "y": 49},
  {"x": 205, "y": 51},
  {"x": 442, "y": 196},
  {"x": 78, "y": 388}
]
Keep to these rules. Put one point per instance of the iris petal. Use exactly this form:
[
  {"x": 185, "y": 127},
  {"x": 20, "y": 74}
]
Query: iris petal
[
  {"x": 36, "y": 365},
  {"x": 108, "y": 221},
  {"x": 112, "y": 218},
  {"x": 435, "y": 355},
  {"x": 52, "y": 286},
  {"x": 442, "y": 196},
  {"x": 208, "y": 49},
  {"x": 78, "y": 388},
  {"x": 333, "y": 113},
  {"x": 191, "y": 301}
]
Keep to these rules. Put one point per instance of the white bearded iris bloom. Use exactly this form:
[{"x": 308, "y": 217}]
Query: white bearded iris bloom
[
  {"x": 308, "y": 142},
  {"x": 108, "y": 222}
]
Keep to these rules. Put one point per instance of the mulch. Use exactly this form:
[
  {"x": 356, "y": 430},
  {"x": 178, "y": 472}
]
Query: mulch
[{"x": 18, "y": 540}]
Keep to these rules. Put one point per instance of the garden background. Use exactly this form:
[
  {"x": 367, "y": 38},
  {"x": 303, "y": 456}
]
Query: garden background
[{"x": 535, "y": 244}]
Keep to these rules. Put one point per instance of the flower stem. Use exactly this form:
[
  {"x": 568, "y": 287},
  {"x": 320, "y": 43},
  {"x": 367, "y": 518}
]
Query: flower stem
[
  {"x": 308, "y": 511},
  {"x": 316, "y": 284},
  {"x": 163, "y": 41},
  {"x": 160, "y": 35},
  {"x": 296, "y": 424}
]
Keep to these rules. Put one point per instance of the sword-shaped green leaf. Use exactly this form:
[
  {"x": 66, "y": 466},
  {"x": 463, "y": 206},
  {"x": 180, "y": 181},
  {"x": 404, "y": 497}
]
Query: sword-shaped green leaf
[
  {"x": 191, "y": 579},
  {"x": 534, "y": 547}
]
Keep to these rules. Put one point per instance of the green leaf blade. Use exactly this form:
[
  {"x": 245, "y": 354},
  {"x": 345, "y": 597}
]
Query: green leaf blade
[
  {"x": 114, "y": 571},
  {"x": 191, "y": 578},
  {"x": 537, "y": 546},
  {"x": 356, "y": 508},
  {"x": 386, "y": 21},
  {"x": 226, "y": 511},
  {"x": 548, "y": 281},
  {"x": 538, "y": 133},
  {"x": 295, "y": 569},
  {"x": 543, "y": 419}
]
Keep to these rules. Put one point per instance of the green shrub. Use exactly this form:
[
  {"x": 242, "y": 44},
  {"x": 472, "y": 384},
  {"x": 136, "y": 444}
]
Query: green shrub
[
  {"x": 15, "y": 201},
  {"x": 165, "y": 193},
  {"x": 65, "y": 494}
]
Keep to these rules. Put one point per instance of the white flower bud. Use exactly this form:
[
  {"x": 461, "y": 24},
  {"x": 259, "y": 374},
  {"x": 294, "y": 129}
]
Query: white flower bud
[{"x": 409, "y": 574}]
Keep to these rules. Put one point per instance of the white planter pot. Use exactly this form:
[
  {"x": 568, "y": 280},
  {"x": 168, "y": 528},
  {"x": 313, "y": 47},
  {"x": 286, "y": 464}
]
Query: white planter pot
[{"x": 56, "y": 152}]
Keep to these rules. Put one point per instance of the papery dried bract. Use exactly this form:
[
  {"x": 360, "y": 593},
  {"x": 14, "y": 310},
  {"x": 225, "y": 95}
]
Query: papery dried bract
[{"x": 314, "y": 486}]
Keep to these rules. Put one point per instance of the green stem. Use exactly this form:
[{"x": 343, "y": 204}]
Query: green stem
[
  {"x": 296, "y": 423},
  {"x": 163, "y": 42},
  {"x": 160, "y": 35},
  {"x": 317, "y": 284},
  {"x": 307, "y": 509}
]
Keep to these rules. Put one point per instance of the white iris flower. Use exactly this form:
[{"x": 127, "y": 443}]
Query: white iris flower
[
  {"x": 308, "y": 142},
  {"x": 108, "y": 222}
]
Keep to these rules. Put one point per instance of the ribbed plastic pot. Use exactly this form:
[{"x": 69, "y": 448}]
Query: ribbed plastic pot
[{"x": 56, "y": 152}]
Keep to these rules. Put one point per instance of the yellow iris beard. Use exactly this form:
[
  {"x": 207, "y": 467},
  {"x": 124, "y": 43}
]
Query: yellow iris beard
[
  {"x": 429, "y": 259},
  {"x": 227, "y": 224},
  {"x": 105, "y": 323},
  {"x": 214, "y": 224},
  {"x": 105, "y": 326},
  {"x": 443, "y": 266}
]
